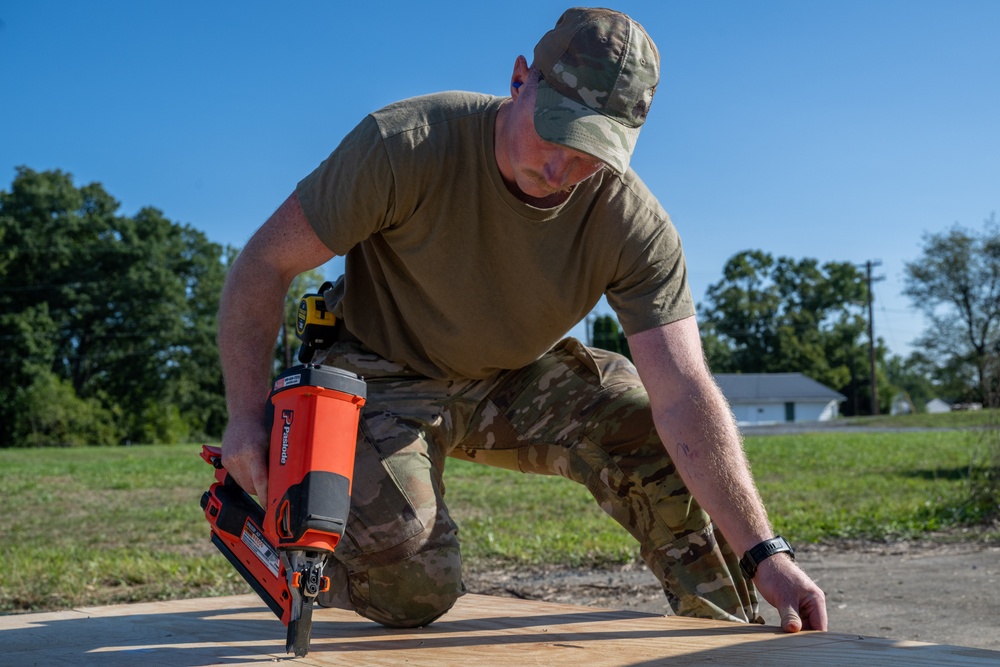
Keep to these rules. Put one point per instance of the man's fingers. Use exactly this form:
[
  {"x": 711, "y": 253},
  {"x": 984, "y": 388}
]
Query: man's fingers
[
  {"x": 256, "y": 479},
  {"x": 790, "y": 620},
  {"x": 815, "y": 612},
  {"x": 800, "y": 603},
  {"x": 811, "y": 615},
  {"x": 260, "y": 484},
  {"x": 247, "y": 465}
]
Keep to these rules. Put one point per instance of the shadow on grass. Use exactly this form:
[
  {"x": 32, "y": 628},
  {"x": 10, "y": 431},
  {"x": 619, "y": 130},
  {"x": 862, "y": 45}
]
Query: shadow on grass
[{"x": 951, "y": 474}]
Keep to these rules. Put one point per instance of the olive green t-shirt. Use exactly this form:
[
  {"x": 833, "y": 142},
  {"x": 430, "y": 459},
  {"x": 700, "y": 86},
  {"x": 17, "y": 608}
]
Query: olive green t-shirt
[{"x": 449, "y": 273}]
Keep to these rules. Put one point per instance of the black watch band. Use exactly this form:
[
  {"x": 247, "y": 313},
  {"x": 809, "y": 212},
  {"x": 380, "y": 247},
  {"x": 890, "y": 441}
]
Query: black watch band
[{"x": 763, "y": 551}]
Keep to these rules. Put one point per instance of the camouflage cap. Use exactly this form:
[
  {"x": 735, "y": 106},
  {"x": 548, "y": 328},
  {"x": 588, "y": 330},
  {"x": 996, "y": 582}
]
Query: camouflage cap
[{"x": 599, "y": 73}]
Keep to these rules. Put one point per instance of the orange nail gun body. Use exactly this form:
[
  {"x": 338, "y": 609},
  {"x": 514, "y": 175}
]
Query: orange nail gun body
[{"x": 281, "y": 550}]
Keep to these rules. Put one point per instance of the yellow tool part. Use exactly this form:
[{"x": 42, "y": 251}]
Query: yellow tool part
[{"x": 314, "y": 325}]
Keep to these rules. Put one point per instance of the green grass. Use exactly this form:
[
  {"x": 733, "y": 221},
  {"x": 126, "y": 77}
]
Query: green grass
[
  {"x": 530, "y": 519},
  {"x": 107, "y": 525},
  {"x": 958, "y": 419},
  {"x": 865, "y": 485}
]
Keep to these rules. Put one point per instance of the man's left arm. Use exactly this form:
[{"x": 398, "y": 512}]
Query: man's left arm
[{"x": 697, "y": 427}]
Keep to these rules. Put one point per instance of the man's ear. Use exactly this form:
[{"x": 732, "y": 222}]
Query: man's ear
[{"x": 519, "y": 77}]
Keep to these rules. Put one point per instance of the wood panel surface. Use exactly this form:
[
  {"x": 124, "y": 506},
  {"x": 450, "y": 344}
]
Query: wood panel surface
[{"x": 480, "y": 630}]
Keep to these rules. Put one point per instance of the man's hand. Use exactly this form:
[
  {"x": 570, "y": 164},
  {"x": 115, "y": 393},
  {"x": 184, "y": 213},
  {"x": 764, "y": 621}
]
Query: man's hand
[
  {"x": 799, "y": 601},
  {"x": 245, "y": 448}
]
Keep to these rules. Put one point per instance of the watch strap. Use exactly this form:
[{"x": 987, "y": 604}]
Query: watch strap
[{"x": 758, "y": 554}]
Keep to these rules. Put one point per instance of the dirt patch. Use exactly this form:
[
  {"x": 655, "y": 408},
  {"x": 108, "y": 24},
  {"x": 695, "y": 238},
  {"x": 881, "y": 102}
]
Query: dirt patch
[{"x": 945, "y": 593}]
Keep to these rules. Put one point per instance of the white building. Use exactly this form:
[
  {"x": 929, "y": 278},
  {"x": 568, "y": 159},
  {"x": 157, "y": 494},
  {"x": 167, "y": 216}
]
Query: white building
[
  {"x": 937, "y": 406},
  {"x": 773, "y": 398},
  {"x": 901, "y": 404}
]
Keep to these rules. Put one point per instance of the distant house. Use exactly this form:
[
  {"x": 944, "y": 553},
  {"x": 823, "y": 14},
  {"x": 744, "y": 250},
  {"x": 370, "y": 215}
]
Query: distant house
[
  {"x": 901, "y": 404},
  {"x": 772, "y": 398},
  {"x": 937, "y": 406}
]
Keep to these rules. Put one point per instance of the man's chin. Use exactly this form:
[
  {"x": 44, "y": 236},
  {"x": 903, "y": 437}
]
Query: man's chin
[{"x": 537, "y": 190}]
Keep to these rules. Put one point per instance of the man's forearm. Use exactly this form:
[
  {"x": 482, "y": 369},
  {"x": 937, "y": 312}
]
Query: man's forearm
[
  {"x": 249, "y": 320},
  {"x": 253, "y": 303},
  {"x": 697, "y": 428},
  {"x": 705, "y": 445}
]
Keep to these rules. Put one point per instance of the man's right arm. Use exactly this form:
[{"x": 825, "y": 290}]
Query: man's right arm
[{"x": 249, "y": 320}]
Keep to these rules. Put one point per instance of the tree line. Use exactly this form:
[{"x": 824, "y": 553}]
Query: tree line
[
  {"x": 108, "y": 322},
  {"x": 778, "y": 314}
]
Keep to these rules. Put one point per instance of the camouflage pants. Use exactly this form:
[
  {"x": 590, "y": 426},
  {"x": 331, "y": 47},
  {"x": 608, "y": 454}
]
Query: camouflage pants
[{"x": 577, "y": 412}]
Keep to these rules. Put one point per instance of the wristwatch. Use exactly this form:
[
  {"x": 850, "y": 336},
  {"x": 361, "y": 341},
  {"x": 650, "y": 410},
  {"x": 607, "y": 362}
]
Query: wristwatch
[{"x": 758, "y": 554}]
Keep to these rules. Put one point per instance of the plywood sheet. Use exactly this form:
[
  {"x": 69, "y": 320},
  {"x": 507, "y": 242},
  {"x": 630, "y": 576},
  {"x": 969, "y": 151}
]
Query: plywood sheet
[{"x": 480, "y": 630}]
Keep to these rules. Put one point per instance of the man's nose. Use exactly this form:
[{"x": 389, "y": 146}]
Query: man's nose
[{"x": 557, "y": 171}]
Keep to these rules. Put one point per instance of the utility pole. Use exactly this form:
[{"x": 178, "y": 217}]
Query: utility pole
[{"x": 869, "y": 265}]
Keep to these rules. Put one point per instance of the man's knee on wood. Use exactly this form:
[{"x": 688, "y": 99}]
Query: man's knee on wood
[{"x": 413, "y": 592}]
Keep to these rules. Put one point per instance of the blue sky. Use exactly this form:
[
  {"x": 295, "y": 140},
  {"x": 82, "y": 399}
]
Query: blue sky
[{"x": 835, "y": 130}]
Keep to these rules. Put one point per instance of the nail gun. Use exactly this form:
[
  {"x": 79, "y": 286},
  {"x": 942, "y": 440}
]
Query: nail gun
[{"x": 281, "y": 549}]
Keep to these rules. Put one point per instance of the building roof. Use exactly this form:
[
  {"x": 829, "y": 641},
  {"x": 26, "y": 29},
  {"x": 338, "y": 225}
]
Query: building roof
[{"x": 774, "y": 387}]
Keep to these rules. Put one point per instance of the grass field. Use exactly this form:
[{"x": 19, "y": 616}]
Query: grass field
[{"x": 103, "y": 525}]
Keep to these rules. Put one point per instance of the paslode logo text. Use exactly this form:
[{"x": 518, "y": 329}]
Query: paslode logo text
[{"x": 286, "y": 416}]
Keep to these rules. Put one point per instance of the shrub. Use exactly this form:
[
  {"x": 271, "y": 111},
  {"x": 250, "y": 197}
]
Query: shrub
[{"x": 49, "y": 413}]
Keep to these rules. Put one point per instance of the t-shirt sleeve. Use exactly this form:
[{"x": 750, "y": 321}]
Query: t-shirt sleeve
[
  {"x": 349, "y": 196},
  {"x": 652, "y": 289}
]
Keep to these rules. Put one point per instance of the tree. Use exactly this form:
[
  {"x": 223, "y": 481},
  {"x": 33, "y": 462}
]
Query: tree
[
  {"x": 956, "y": 284},
  {"x": 914, "y": 378},
  {"x": 119, "y": 310},
  {"x": 770, "y": 315},
  {"x": 607, "y": 335}
]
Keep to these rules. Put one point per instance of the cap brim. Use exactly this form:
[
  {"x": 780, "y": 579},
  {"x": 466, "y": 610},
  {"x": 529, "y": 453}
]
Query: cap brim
[{"x": 568, "y": 123}]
